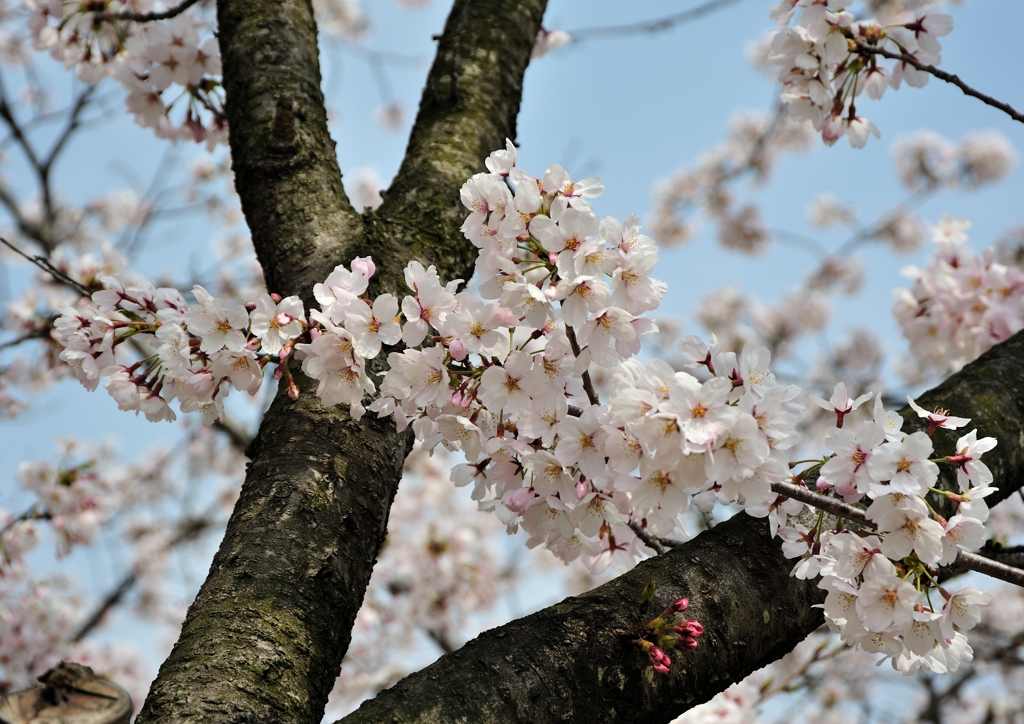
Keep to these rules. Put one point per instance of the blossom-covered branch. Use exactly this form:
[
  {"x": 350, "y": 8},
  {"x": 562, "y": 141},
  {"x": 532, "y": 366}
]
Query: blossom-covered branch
[
  {"x": 493, "y": 375},
  {"x": 1006, "y": 108},
  {"x": 964, "y": 559}
]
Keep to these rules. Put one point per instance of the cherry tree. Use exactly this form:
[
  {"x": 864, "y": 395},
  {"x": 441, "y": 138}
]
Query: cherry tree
[{"x": 494, "y": 327}]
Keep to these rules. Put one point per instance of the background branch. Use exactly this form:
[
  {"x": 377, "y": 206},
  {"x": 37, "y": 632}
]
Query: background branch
[
  {"x": 651, "y": 26},
  {"x": 942, "y": 75}
]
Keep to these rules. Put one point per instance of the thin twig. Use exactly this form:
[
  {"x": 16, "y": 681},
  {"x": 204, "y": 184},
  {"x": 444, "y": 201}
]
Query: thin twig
[
  {"x": 33, "y": 513},
  {"x": 588, "y": 385},
  {"x": 189, "y": 529},
  {"x": 34, "y": 334},
  {"x": 146, "y": 17},
  {"x": 964, "y": 559},
  {"x": 652, "y": 541},
  {"x": 651, "y": 26},
  {"x": 942, "y": 75},
  {"x": 43, "y": 263}
]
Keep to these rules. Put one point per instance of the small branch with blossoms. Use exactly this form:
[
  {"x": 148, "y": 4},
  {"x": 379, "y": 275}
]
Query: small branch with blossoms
[
  {"x": 47, "y": 266},
  {"x": 963, "y": 560},
  {"x": 502, "y": 375},
  {"x": 149, "y": 17},
  {"x": 828, "y": 59},
  {"x": 161, "y": 66},
  {"x": 1006, "y": 108}
]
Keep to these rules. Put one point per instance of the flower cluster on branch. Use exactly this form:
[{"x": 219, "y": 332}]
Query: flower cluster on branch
[{"x": 502, "y": 374}]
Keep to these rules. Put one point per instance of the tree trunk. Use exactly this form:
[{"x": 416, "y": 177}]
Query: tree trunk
[{"x": 264, "y": 639}]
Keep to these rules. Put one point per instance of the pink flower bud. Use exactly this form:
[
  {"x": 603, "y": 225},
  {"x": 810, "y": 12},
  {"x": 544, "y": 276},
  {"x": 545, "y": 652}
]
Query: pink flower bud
[
  {"x": 286, "y": 351},
  {"x": 685, "y": 643},
  {"x": 458, "y": 350},
  {"x": 250, "y": 306},
  {"x": 659, "y": 657},
  {"x": 581, "y": 489},
  {"x": 279, "y": 372},
  {"x": 314, "y": 332},
  {"x": 690, "y": 628},
  {"x": 551, "y": 292},
  {"x": 275, "y": 296},
  {"x": 680, "y": 605},
  {"x": 364, "y": 265},
  {"x": 831, "y": 131},
  {"x": 293, "y": 390},
  {"x": 508, "y": 318},
  {"x": 553, "y": 257},
  {"x": 660, "y": 668},
  {"x": 520, "y": 500}
]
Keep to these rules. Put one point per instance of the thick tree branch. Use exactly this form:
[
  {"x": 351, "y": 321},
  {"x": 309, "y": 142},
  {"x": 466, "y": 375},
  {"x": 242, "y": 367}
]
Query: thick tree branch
[
  {"x": 568, "y": 662},
  {"x": 575, "y": 662},
  {"x": 942, "y": 75},
  {"x": 265, "y": 637},
  {"x": 467, "y": 110}
]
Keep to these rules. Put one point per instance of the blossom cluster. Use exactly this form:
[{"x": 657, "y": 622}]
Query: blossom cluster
[
  {"x": 926, "y": 160},
  {"x": 824, "y": 69},
  {"x": 882, "y": 597},
  {"x": 160, "y": 65},
  {"x": 961, "y": 304},
  {"x": 195, "y": 353},
  {"x": 503, "y": 375},
  {"x": 752, "y": 147}
]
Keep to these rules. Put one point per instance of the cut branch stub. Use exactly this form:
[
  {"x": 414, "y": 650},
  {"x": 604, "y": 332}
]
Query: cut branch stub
[{"x": 69, "y": 693}]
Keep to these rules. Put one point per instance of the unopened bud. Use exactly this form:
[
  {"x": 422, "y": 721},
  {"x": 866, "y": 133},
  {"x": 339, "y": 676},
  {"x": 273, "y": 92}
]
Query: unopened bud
[
  {"x": 250, "y": 306},
  {"x": 685, "y": 643},
  {"x": 507, "y": 318},
  {"x": 659, "y": 657},
  {"x": 364, "y": 265},
  {"x": 458, "y": 350},
  {"x": 275, "y": 296},
  {"x": 690, "y": 628},
  {"x": 293, "y": 390},
  {"x": 519, "y": 500},
  {"x": 680, "y": 605},
  {"x": 286, "y": 351},
  {"x": 647, "y": 596}
]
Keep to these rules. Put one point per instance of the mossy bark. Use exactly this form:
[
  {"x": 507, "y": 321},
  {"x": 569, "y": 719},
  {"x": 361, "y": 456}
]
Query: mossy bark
[
  {"x": 265, "y": 637},
  {"x": 576, "y": 661},
  {"x": 573, "y": 662}
]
